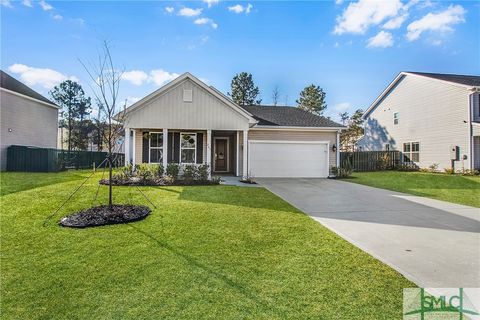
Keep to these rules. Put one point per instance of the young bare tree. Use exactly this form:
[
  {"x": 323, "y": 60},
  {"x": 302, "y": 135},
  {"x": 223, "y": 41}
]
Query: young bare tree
[
  {"x": 106, "y": 84},
  {"x": 275, "y": 95}
]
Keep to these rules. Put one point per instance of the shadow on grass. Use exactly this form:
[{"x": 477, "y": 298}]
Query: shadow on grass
[
  {"x": 256, "y": 198},
  {"x": 193, "y": 262},
  {"x": 13, "y": 182}
]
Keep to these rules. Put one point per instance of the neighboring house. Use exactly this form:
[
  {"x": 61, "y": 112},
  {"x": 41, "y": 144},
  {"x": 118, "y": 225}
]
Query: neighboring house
[
  {"x": 430, "y": 117},
  {"x": 187, "y": 122},
  {"x": 27, "y": 117}
]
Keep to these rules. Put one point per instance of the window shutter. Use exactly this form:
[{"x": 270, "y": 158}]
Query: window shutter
[
  {"x": 176, "y": 147},
  {"x": 170, "y": 147},
  {"x": 145, "y": 146},
  {"x": 199, "y": 147}
]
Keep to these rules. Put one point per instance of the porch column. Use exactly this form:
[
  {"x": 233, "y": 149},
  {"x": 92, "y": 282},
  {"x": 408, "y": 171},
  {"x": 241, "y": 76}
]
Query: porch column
[
  {"x": 127, "y": 147},
  {"x": 165, "y": 149},
  {"x": 237, "y": 160},
  {"x": 134, "y": 138},
  {"x": 245, "y": 157},
  {"x": 338, "y": 149},
  {"x": 209, "y": 153}
]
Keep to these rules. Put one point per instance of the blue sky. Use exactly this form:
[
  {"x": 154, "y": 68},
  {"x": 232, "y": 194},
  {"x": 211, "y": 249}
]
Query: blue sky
[{"x": 351, "y": 49}]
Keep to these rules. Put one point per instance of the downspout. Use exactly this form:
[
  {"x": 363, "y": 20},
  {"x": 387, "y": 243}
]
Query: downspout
[{"x": 338, "y": 149}]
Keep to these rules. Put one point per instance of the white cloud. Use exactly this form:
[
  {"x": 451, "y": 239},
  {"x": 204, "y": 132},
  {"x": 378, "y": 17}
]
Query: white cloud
[
  {"x": 342, "y": 107},
  {"x": 338, "y": 2},
  {"x": 57, "y": 17},
  {"x": 160, "y": 76},
  {"x": 45, "y": 6},
  {"x": 169, "y": 9},
  {"x": 44, "y": 77},
  {"x": 383, "y": 39},
  {"x": 206, "y": 21},
  {"x": 189, "y": 12},
  {"x": 238, "y": 8},
  {"x": 27, "y": 3},
  {"x": 396, "y": 22},
  {"x": 359, "y": 16},
  {"x": 136, "y": 77},
  {"x": 6, "y": 3},
  {"x": 440, "y": 22},
  {"x": 336, "y": 45},
  {"x": 211, "y": 2}
]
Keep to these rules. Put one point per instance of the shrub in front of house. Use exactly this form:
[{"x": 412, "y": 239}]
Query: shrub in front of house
[
  {"x": 147, "y": 174},
  {"x": 341, "y": 172}
]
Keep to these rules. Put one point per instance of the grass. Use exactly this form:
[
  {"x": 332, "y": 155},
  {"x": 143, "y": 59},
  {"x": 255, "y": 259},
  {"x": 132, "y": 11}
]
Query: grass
[
  {"x": 217, "y": 252},
  {"x": 452, "y": 188}
]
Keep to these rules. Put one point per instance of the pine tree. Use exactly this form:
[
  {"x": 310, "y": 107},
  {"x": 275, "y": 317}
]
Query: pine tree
[
  {"x": 312, "y": 99},
  {"x": 244, "y": 92}
]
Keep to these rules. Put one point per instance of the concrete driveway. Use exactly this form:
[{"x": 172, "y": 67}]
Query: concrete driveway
[{"x": 435, "y": 244}]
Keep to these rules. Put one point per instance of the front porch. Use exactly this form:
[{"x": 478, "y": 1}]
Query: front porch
[{"x": 222, "y": 150}]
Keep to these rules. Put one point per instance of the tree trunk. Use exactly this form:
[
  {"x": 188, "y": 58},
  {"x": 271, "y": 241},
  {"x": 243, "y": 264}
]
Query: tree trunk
[{"x": 110, "y": 202}]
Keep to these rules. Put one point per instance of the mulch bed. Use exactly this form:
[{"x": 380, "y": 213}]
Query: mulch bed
[
  {"x": 104, "y": 215},
  {"x": 158, "y": 182}
]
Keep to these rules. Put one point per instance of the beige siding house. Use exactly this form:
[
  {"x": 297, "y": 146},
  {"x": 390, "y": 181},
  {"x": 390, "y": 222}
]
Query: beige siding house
[
  {"x": 189, "y": 122},
  {"x": 431, "y": 118},
  {"x": 27, "y": 118}
]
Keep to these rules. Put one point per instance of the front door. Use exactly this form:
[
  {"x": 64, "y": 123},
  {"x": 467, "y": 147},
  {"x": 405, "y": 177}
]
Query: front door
[{"x": 221, "y": 155}]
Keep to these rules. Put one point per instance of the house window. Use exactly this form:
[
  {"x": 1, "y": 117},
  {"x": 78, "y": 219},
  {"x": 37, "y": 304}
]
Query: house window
[
  {"x": 395, "y": 118},
  {"x": 156, "y": 147},
  {"x": 188, "y": 147},
  {"x": 411, "y": 152}
]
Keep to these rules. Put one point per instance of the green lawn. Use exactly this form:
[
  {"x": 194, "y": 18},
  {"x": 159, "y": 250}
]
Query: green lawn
[
  {"x": 217, "y": 252},
  {"x": 452, "y": 188}
]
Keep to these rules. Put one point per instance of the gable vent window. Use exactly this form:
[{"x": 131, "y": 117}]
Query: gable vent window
[
  {"x": 395, "y": 118},
  {"x": 187, "y": 95}
]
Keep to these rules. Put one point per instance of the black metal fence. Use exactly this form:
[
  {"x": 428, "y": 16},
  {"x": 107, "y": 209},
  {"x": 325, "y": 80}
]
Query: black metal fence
[
  {"x": 371, "y": 160},
  {"x": 33, "y": 159}
]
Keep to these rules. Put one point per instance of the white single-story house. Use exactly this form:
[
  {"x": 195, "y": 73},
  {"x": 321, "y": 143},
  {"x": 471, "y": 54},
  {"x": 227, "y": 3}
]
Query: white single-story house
[
  {"x": 27, "y": 118},
  {"x": 432, "y": 118},
  {"x": 187, "y": 121}
]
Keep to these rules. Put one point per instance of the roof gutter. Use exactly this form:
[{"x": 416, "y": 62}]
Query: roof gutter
[{"x": 295, "y": 128}]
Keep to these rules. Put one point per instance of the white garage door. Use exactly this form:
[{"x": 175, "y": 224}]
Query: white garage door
[{"x": 295, "y": 159}]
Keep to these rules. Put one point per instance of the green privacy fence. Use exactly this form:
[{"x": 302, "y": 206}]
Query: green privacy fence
[
  {"x": 371, "y": 160},
  {"x": 33, "y": 159}
]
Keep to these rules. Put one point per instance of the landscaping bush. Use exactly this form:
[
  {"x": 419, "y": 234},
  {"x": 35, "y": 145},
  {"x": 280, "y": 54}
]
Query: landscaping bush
[
  {"x": 408, "y": 167},
  {"x": 433, "y": 168},
  {"x": 203, "y": 172},
  {"x": 190, "y": 172},
  {"x": 449, "y": 171},
  {"x": 144, "y": 171},
  {"x": 341, "y": 173},
  {"x": 172, "y": 170},
  {"x": 467, "y": 172}
]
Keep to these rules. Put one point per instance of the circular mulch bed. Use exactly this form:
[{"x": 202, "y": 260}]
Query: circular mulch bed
[{"x": 103, "y": 215}]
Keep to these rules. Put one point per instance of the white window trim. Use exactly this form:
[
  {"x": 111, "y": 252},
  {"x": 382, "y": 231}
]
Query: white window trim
[
  {"x": 411, "y": 152},
  {"x": 150, "y": 146},
  {"x": 194, "y": 148}
]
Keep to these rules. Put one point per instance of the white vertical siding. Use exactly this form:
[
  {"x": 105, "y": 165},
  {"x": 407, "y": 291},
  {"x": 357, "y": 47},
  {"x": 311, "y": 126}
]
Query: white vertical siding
[
  {"x": 170, "y": 111},
  {"x": 431, "y": 112}
]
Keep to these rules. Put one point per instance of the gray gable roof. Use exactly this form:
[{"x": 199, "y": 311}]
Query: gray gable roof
[
  {"x": 468, "y": 80},
  {"x": 288, "y": 116},
  {"x": 10, "y": 83}
]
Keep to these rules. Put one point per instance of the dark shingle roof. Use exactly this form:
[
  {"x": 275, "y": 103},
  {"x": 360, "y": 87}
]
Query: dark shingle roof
[
  {"x": 288, "y": 116},
  {"x": 468, "y": 80},
  {"x": 10, "y": 83}
]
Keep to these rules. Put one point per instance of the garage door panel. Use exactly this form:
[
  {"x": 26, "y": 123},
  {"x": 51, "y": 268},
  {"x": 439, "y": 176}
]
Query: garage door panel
[{"x": 289, "y": 159}]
